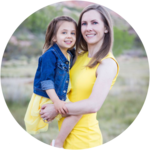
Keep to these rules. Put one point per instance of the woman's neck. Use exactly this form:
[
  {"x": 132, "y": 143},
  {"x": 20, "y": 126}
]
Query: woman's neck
[{"x": 94, "y": 48}]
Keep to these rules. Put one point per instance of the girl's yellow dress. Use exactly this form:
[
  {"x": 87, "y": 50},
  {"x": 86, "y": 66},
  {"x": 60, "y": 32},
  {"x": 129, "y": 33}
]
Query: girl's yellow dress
[
  {"x": 86, "y": 133},
  {"x": 33, "y": 121}
]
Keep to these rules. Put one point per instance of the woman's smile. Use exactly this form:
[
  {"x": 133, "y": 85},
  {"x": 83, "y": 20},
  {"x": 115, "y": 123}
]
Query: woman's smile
[{"x": 90, "y": 35}]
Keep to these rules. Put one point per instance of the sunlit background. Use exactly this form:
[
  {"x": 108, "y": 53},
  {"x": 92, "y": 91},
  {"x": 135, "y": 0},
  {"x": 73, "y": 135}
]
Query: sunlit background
[{"x": 19, "y": 64}]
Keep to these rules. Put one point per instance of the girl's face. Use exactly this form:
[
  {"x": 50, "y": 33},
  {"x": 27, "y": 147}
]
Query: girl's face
[
  {"x": 92, "y": 27},
  {"x": 66, "y": 35}
]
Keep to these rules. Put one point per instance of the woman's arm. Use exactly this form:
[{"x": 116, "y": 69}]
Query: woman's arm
[{"x": 105, "y": 74}]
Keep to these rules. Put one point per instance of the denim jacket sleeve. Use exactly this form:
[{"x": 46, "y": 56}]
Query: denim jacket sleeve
[{"x": 48, "y": 67}]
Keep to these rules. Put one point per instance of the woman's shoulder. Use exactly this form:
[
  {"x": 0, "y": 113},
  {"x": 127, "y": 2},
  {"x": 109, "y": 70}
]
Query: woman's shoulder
[
  {"x": 109, "y": 64},
  {"x": 110, "y": 57},
  {"x": 108, "y": 67}
]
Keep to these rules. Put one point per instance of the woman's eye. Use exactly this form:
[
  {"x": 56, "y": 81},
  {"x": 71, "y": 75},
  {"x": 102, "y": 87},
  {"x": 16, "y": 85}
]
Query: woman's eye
[
  {"x": 73, "y": 33},
  {"x": 95, "y": 22},
  {"x": 64, "y": 32}
]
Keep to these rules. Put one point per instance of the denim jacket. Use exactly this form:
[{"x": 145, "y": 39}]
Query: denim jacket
[{"x": 53, "y": 73}]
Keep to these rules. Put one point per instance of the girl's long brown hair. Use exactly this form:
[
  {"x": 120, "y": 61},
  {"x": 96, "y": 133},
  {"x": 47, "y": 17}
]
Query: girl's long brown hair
[
  {"x": 52, "y": 30},
  {"x": 106, "y": 47}
]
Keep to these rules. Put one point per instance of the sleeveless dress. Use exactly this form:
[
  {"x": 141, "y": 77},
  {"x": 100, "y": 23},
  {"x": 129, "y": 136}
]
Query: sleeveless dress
[
  {"x": 33, "y": 121},
  {"x": 86, "y": 133}
]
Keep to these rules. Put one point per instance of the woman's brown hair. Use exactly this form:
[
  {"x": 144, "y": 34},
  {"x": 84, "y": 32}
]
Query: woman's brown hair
[
  {"x": 106, "y": 47},
  {"x": 52, "y": 30}
]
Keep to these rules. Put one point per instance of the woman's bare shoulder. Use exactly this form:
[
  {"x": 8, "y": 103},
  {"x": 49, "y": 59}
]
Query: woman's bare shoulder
[{"x": 107, "y": 67}]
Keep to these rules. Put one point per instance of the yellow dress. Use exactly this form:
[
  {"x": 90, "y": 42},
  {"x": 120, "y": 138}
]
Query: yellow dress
[
  {"x": 86, "y": 133},
  {"x": 33, "y": 121}
]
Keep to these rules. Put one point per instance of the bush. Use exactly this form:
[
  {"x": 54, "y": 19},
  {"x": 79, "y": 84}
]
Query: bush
[{"x": 122, "y": 41}]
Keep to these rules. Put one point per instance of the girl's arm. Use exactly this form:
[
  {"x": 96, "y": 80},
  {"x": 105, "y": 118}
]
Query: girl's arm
[
  {"x": 48, "y": 65},
  {"x": 58, "y": 104},
  {"x": 105, "y": 74},
  {"x": 52, "y": 94}
]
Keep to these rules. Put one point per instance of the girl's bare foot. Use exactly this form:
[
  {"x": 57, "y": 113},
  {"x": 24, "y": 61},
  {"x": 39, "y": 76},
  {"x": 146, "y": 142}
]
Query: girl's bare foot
[
  {"x": 51, "y": 146},
  {"x": 57, "y": 143}
]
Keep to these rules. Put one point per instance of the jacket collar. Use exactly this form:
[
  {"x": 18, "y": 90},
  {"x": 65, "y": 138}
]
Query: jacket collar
[{"x": 59, "y": 52}]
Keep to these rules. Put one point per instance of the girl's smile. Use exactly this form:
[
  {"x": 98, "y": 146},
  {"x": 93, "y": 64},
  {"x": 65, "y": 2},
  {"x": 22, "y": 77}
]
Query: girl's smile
[{"x": 68, "y": 42}]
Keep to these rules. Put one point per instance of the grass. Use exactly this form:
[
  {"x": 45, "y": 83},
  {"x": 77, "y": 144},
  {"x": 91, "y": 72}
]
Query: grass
[
  {"x": 19, "y": 68},
  {"x": 119, "y": 110},
  {"x": 18, "y": 72}
]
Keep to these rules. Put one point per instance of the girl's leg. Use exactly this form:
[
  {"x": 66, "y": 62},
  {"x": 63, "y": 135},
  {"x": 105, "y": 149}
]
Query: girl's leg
[{"x": 67, "y": 126}]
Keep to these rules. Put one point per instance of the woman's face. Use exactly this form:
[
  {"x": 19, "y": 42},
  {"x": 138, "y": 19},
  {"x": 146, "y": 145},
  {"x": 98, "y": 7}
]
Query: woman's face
[{"x": 92, "y": 27}]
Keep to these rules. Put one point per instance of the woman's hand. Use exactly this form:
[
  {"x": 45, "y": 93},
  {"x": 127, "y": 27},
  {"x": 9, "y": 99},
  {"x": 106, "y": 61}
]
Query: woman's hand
[
  {"x": 48, "y": 112},
  {"x": 60, "y": 107}
]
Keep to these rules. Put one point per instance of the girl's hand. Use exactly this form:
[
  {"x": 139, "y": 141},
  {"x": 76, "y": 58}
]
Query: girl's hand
[
  {"x": 48, "y": 112},
  {"x": 60, "y": 107}
]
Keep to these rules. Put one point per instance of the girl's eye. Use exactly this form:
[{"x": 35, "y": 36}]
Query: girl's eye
[
  {"x": 64, "y": 32},
  {"x": 73, "y": 33}
]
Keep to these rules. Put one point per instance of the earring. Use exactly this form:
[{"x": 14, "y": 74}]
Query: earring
[{"x": 106, "y": 31}]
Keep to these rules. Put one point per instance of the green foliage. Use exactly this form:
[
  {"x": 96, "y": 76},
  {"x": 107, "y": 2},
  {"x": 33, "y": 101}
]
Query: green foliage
[
  {"x": 74, "y": 9},
  {"x": 143, "y": 43},
  {"x": 39, "y": 20},
  {"x": 74, "y": 16},
  {"x": 122, "y": 41}
]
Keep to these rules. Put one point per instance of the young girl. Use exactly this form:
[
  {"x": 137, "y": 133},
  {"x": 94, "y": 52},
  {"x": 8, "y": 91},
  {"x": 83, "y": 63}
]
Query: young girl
[{"x": 51, "y": 82}]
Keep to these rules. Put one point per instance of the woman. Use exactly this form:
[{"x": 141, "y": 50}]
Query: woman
[{"x": 93, "y": 74}]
